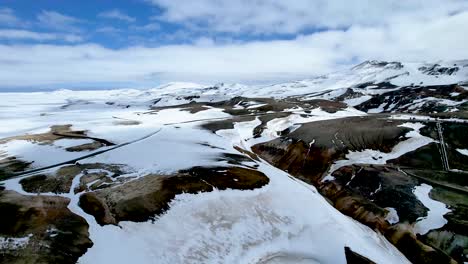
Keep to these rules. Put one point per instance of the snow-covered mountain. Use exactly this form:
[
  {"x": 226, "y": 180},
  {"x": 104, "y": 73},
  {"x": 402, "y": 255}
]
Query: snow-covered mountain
[{"x": 359, "y": 166}]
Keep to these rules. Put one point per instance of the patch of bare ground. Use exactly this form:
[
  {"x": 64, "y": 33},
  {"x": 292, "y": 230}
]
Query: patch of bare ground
[
  {"x": 144, "y": 198},
  {"x": 360, "y": 191},
  {"x": 61, "y": 180},
  {"x": 55, "y": 133},
  {"x": 56, "y": 235},
  {"x": 308, "y": 151},
  {"x": 11, "y": 165}
]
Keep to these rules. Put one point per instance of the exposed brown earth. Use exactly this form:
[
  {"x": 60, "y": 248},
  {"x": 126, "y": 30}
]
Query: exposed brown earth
[
  {"x": 56, "y": 235},
  {"x": 145, "y": 198},
  {"x": 11, "y": 165},
  {"x": 361, "y": 192},
  {"x": 56, "y": 132},
  {"x": 331, "y": 141},
  {"x": 61, "y": 180}
]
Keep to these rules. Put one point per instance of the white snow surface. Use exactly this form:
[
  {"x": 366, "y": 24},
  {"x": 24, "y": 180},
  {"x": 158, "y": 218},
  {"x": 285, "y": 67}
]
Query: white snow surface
[
  {"x": 392, "y": 216},
  {"x": 285, "y": 218},
  {"x": 463, "y": 151},
  {"x": 31, "y": 112},
  {"x": 12, "y": 243},
  {"x": 358, "y": 100},
  {"x": 435, "y": 216}
]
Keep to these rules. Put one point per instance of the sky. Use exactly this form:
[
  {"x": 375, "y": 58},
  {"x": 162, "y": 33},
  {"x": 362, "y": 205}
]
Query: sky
[{"x": 144, "y": 43}]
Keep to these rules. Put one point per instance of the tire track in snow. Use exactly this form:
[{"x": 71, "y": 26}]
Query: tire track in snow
[{"x": 72, "y": 161}]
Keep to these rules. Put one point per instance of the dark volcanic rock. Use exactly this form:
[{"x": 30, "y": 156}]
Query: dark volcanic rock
[
  {"x": 56, "y": 235},
  {"x": 417, "y": 252},
  {"x": 354, "y": 258},
  {"x": 402, "y": 99},
  {"x": 385, "y": 187},
  {"x": 309, "y": 151},
  {"x": 360, "y": 191}
]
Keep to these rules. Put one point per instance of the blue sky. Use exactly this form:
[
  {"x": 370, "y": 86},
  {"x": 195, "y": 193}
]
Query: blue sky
[
  {"x": 126, "y": 23},
  {"x": 143, "y": 43}
]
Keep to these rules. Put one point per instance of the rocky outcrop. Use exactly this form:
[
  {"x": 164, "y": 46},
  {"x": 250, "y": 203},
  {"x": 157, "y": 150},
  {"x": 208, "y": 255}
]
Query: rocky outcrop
[
  {"x": 362, "y": 192},
  {"x": 61, "y": 180},
  {"x": 40, "y": 229},
  {"x": 145, "y": 198}
]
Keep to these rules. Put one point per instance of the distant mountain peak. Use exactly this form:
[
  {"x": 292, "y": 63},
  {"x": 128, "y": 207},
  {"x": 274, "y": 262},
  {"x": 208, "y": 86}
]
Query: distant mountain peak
[{"x": 378, "y": 64}]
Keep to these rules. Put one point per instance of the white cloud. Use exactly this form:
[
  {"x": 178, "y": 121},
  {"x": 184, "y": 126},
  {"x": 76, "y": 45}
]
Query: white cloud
[
  {"x": 148, "y": 27},
  {"x": 274, "y": 16},
  {"x": 55, "y": 20},
  {"x": 8, "y": 17},
  {"x": 13, "y": 34},
  {"x": 117, "y": 14},
  {"x": 108, "y": 30},
  {"x": 441, "y": 38}
]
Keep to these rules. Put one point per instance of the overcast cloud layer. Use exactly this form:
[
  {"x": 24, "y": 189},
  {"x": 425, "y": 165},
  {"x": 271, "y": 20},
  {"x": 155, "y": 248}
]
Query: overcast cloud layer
[{"x": 233, "y": 41}]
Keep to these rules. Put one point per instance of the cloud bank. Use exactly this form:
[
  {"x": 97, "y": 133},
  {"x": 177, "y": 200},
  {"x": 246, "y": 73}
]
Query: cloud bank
[{"x": 324, "y": 36}]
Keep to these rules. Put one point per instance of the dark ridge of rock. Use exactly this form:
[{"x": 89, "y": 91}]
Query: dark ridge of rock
[
  {"x": 235, "y": 159},
  {"x": 427, "y": 157},
  {"x": 451, "y": 243},
  {"x": 230, "y": 106},
  {"x": 385, "y": 187},
  {"x": 354, "y": 258},
  {"x": 349, "y": 94},
  {"x": 326, "y": 105},
  {"x": 398, "y": 100},
  {"x": 11, "y": 165},
  {"x": 355, "y": 206},
  {"x": 61, "y": 181},
  {"x": 56, "y": 235},
  {"x": 359, "y": 191},
  {"x": 332, "y": 139},
  {"x": 291, "y": 155},
  {"x": 85, "y": 147},
  {"x": 352, "y": 133},
  {"x": 57, "y": 132},
  {"x": 376, "y": 86},
  {"x": 436, "y": 69},
  {"x": 379, "y": 64},
  {"x": 145, "y": 198},
  {"x": 225, "y": 124},
  {"x": 402, "y": 237}
]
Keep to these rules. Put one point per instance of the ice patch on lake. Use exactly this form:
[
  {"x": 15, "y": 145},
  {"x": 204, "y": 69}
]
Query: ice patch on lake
[{"x": 435, "y": 216}]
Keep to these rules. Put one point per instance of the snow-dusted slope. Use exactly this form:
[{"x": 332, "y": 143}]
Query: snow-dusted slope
[
  {"x": 161, "y": 132},
  {"x": 370, "y": 72}
]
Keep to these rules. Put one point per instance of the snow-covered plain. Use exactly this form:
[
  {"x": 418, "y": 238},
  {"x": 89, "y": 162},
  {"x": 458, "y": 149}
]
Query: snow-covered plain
[{"x": 284, "y": 220}]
